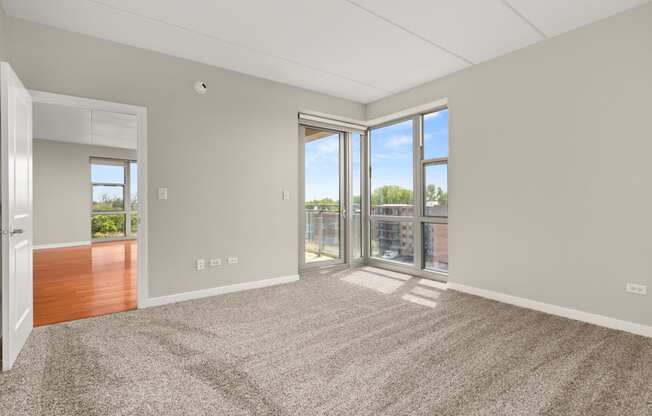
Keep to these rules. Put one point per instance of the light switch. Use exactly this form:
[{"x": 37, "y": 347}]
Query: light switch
[
  {"x": 286, "y": 195},
  {"x": 162, "y": 193}
]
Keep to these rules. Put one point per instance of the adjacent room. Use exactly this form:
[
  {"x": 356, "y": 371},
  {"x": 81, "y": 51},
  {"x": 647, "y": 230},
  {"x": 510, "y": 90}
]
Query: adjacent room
[
  {"x": 343, "y": 207},
  {"x": 85, "y": 208}
]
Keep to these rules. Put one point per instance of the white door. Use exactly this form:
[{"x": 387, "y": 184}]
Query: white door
[{"x": 16, "y": 208}]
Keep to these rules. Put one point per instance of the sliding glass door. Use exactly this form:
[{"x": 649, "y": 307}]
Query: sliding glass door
[
  {"x": 331, "y": 218},
  {"x": 324, "y": 215}
]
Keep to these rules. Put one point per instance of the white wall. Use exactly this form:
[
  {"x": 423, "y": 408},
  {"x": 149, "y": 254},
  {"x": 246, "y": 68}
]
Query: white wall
[
  {"x": 550, "y": 195},
  {"x": 225, "y": 157},
  {"x": 62, "y": 193}
]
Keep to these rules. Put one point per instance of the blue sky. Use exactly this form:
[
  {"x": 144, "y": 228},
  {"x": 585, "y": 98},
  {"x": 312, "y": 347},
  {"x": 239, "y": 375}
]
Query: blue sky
[
  {"x": 113, "y": 174},
  {"x": 391, "y": 157}
]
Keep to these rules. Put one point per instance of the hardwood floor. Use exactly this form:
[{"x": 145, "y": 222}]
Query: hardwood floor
[{"x": 80, "y": 282}]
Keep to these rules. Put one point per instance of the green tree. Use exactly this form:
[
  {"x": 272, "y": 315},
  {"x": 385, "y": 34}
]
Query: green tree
[
  {"x": 391, "y": 194},
  {"x": 326, "y": 204},
  {"x": 436, "y": 194}
]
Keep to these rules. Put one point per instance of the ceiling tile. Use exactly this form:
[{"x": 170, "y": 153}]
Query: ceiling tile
[
  {"x": 362, "y": 50},
  {"x": 104, "y": 22},
  {"x": 555, "y": 17},
  {"x": 66, "y": 124},
  {"x": 476, "y": 30},
  {"x": 114, "y": 129},
  {"x": 334, "y": 36}
]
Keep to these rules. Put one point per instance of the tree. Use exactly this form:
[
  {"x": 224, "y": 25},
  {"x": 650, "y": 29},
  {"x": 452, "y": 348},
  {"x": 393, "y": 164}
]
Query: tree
[
  {"x": 436, "y": 194},
  {"x": 391, "y": 194},
  {"x": 325, "y": 204}
]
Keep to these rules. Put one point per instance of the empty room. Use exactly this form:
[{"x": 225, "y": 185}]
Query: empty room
[{"x": 342, "y": 207}]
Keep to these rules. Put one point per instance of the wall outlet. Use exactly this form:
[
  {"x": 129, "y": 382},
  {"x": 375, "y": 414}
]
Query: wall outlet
[
  {"x": 286, "y": 195},
  {"x": 232, "y": 260},
  {"x": 201, "y": 264},
  {"x": 636, "y": 289},
  {"x": 215, "y": 262}
]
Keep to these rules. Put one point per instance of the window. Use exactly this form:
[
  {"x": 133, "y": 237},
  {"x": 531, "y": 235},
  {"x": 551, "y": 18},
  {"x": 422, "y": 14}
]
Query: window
[
  {"x": 434, "y": 222},
  {"x": 356, "y": 194},
  {"x": 133, "y": 194},
  {"x": 391, "y": 177},
  {"x": 436, "y": 191},
  {"x": 435, "y": 135},
  {"x": 393, "y": 241},
  {"x": 435, "y": 247},
  {"x": 408, "y": 221},
  {"x": 113, "y": 199}
]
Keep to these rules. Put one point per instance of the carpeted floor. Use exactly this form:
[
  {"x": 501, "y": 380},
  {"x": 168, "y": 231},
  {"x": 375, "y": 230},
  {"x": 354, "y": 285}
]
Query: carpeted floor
[{"x": 366, "y": 342}]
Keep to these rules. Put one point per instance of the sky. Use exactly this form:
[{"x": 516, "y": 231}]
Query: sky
[
  {"x": 391, "y": 157},
  {"x": 113, "y": 174}
]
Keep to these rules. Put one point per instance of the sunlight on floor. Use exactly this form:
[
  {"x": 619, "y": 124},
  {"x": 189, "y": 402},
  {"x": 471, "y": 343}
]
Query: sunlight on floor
[{"x": 412, "y": 289}]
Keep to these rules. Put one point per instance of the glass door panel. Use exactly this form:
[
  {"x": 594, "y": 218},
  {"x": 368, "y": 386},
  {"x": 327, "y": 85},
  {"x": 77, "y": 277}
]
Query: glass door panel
[{"x": 323, "y": 196}]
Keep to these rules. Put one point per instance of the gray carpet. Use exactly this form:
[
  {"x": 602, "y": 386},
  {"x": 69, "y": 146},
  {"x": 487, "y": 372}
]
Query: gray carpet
[{"x": 365, "y": 342}]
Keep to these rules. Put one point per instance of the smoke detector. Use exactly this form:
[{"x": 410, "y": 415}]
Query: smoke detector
[{"x": 201, "y": 87}]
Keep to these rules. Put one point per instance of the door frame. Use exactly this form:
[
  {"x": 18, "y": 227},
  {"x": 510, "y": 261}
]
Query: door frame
[
  {"x": 343, "y": 180},
  {"x": 140, "y": 112}
]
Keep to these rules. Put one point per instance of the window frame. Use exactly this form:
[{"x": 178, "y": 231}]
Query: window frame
[
  {"x": 127, "y": 211},
  {"x": 419, "y": 188}
]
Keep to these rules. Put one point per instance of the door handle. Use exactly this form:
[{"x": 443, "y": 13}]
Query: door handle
[{"x": 16, "y": 231}]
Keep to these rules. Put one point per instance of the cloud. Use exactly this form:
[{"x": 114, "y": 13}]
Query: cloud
[{"x": 398, "y": 141}]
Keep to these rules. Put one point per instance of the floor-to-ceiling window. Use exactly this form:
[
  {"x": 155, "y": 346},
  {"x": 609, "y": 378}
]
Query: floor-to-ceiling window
[
  {"x": 114, "y": 206},
  {"x": 379, "y": 197},
  {"x": 434, "y": 170},
  {"x": 391, "y": 180},
  {"x": 408, "y": 193}
]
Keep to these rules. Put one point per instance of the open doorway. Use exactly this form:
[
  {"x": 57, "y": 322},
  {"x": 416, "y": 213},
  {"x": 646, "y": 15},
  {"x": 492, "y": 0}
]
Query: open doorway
[{"x": 89, "y": 216}]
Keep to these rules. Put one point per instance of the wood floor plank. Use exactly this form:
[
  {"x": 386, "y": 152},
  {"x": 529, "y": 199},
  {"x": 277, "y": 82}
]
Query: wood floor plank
[{"x": 79, "y": 282}]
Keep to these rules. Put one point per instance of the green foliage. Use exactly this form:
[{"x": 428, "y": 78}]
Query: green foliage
[
  {"x": 436, "y": 194},
  {"x": 391, "y": 194},
  {"x": 325, "y": 204},
  {"x": 108, "y": 225}
]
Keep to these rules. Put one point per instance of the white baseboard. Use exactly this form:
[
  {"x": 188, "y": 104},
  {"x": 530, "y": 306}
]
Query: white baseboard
[
  {"x": 203, "y": 293},
  {"x": 60, "y": 245},
  {"x": 551, "y": 309}
]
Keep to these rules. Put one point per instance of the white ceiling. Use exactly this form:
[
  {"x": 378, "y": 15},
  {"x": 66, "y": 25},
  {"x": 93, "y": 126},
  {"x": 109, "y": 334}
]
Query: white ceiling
[
  {"x": 363, "y": 50},
  {"x": 77, "y": 125}
]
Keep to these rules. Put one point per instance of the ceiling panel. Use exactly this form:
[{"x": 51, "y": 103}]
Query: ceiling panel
[
  {"x": 66, "y": 124},
  {"x": 362, "y": 50},
  {"x": 476, "y": 30},
  {"x": 78, "y": 125},
  {"x": 555, "y": 17},
  {"x": 97, "y": 20},
  {"x": 114, "y": 129},
  {"x": 334, "y": 36}
]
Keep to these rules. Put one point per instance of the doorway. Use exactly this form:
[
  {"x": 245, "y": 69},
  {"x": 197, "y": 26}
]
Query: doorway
[
  {"x": 89, "y": 208},
  {"x": 330, "y": 196}
]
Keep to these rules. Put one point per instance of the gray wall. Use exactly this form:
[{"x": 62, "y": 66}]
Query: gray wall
[
  {"x": 550, "y": 195},
  {"x": 225, "y": 156},
  {"x": 3, "y": 35},
  {"x": 62, "y": 196}
]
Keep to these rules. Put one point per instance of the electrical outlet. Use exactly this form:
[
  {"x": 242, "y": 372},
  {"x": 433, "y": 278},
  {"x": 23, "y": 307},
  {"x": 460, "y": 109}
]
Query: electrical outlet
[
  {"x": 201, "y": 264},
  {"x": 636, "y": 289},
  {"x": 232, "y": 260},
  {"x": 215, "y": 262},
  {"x": 286, "y": 195}
]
